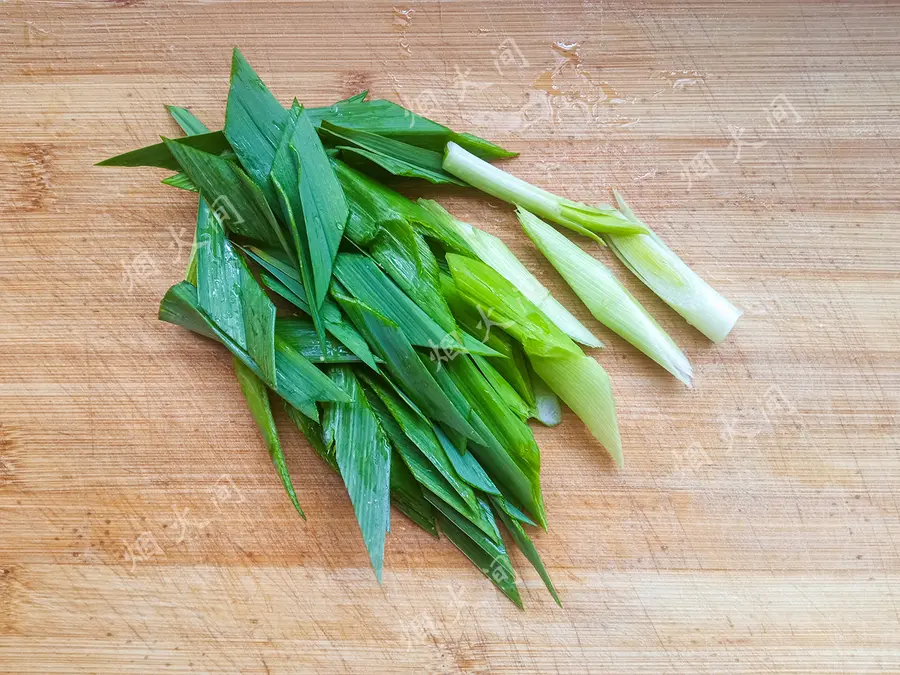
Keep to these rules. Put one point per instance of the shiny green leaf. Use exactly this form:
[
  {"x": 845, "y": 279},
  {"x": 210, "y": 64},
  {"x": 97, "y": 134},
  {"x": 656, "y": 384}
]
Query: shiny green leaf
[
  {"x": 254, "y": 390},
  {"x": 363, "y": 456}
]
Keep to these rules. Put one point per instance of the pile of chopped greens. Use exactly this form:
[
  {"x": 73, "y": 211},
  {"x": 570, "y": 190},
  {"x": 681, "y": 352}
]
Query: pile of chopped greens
[{"x": 410, "y": 348}]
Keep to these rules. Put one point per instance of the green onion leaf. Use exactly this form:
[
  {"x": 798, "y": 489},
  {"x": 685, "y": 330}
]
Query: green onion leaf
[
  {"x": 285, "y": 281},
  {"x": 466, "y": 466},
  {"x": 607, "y": 299},
  {"x": 403, "y": 363},
  {"x": 365, "y": 281},
  {"x": 363, "y": 456},
  {"x": 501, "y": 304},
  {"x": 406, "y": 495},
  {"x": 235, "y": 199},
  {"x": 302, "y": 336},
  {"x": 160, "y": 155},
  {"x": 254, "y": 123},
  {"x": 324, "y": 206},
  {"x": 284, "y": 178},
  {"x": 254, "y": 390},
  {"x": 298, "y": 382},
  {"x": 523, "y": 541},
  {"x": 180, "y": 181},
  {"x": 504, "y": 391},
  {"x": 493, "y": 252},
  {"x": 497, "y": 568},
  {"x": 671, "y": 279},
  {"x": 230, "y": 296},
  {"x": 390, "y": 120},
  {"x": 513, "y": 434},
  {"x": 189, "y": 124},
  {"x": 582, "y": 218},
  {"x": 420, "y": 433},
  {"x": 396, "y": 157}
]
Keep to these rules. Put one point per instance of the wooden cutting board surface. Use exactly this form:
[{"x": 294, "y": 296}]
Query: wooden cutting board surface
[{"x": 755, "y": 526}]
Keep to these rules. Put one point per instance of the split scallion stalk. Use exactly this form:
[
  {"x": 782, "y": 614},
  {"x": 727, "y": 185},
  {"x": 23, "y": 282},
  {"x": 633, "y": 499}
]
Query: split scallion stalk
[
  {"x": 584, "y": 219},
  {"x": 664, "y": 273},
  {"x": 492, "y": 251},
  {"x": 605, "y": 296}
]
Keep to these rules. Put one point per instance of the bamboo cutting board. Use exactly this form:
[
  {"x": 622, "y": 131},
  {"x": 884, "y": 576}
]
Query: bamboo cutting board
[{"x": 756, "y": 523}]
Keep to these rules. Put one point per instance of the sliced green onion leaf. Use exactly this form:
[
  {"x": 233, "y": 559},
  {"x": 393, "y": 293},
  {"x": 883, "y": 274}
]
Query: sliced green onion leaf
[
  {"x": 159, "y": 155},
  {"x": 497, "y": 568},
  {"x": 390, "y": 120},
  {"x": 501, "y": 304},
  {"x": 180, "y": 181},
  {"x": 404, "y": 364},
  {"x": 363, "y": 456},
  {"x": 254, "y": 390},
  {"x": 324, "y": 205},
  {"x": 254, "y": 123},
  {"x": 523, "y": 541},
  {"x": 493, "y": 252},
  {"x": 397, "y": 157},
  {"x": 188, "y": 122},
  {"x": 605, "y": 296},
  {"x": 235, "y": 199},
  {"x": 298, "y": 381},
  {"x": 230, "y": 296}
]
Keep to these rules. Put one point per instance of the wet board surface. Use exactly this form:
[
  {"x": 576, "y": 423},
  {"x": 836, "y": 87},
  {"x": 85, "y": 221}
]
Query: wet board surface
[{"x": 755, "y": 524}]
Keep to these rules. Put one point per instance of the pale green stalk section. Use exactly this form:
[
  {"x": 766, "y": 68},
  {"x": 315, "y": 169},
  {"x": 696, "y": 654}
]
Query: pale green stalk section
[
  {"x": 493, "y": 252},
  {"x": 546, "y": 403},
  {"x": 604, "y": 295},
  {"x": 584, "y": 386},
  {"x": 584, "y": 219},
  {"x": 671, "y": 279}
]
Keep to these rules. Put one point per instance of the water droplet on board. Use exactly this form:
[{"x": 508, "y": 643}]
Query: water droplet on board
[
  {"x": 402, "y": 17},
  {"x": 680, "y": 79},
  {"x": 544, "y": 82},
  {"x": 567, "y": 49}
]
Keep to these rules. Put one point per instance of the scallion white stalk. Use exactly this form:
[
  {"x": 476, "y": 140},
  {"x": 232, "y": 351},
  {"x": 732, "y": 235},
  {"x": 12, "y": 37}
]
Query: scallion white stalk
[
  {"x": 604, "y": 295},
  {"x": 671, "y": 279},
  {"x": 584, "y": 219},
  {"x": 494, "y": 253}
]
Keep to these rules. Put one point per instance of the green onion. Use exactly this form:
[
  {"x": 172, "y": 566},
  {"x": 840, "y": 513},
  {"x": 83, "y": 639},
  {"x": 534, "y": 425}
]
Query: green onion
[
  {"x": 584, "y": 386},
  {"x": 254, "y": 390},
  {"x": 357, "y": 307},
  {"x": 671, "y": 279},
  {"x": 363, "y": 457},
  {"x": 492, "y": 251},
  {"x": 578, "y": 380},
  {"x": 603, "y": 294},
  {"x": 582, "y": 218},
  {"x": 547, "y": 410}
]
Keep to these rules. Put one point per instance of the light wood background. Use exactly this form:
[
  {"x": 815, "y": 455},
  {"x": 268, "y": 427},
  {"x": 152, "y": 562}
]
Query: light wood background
[{"x": 755, "y": 525}]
